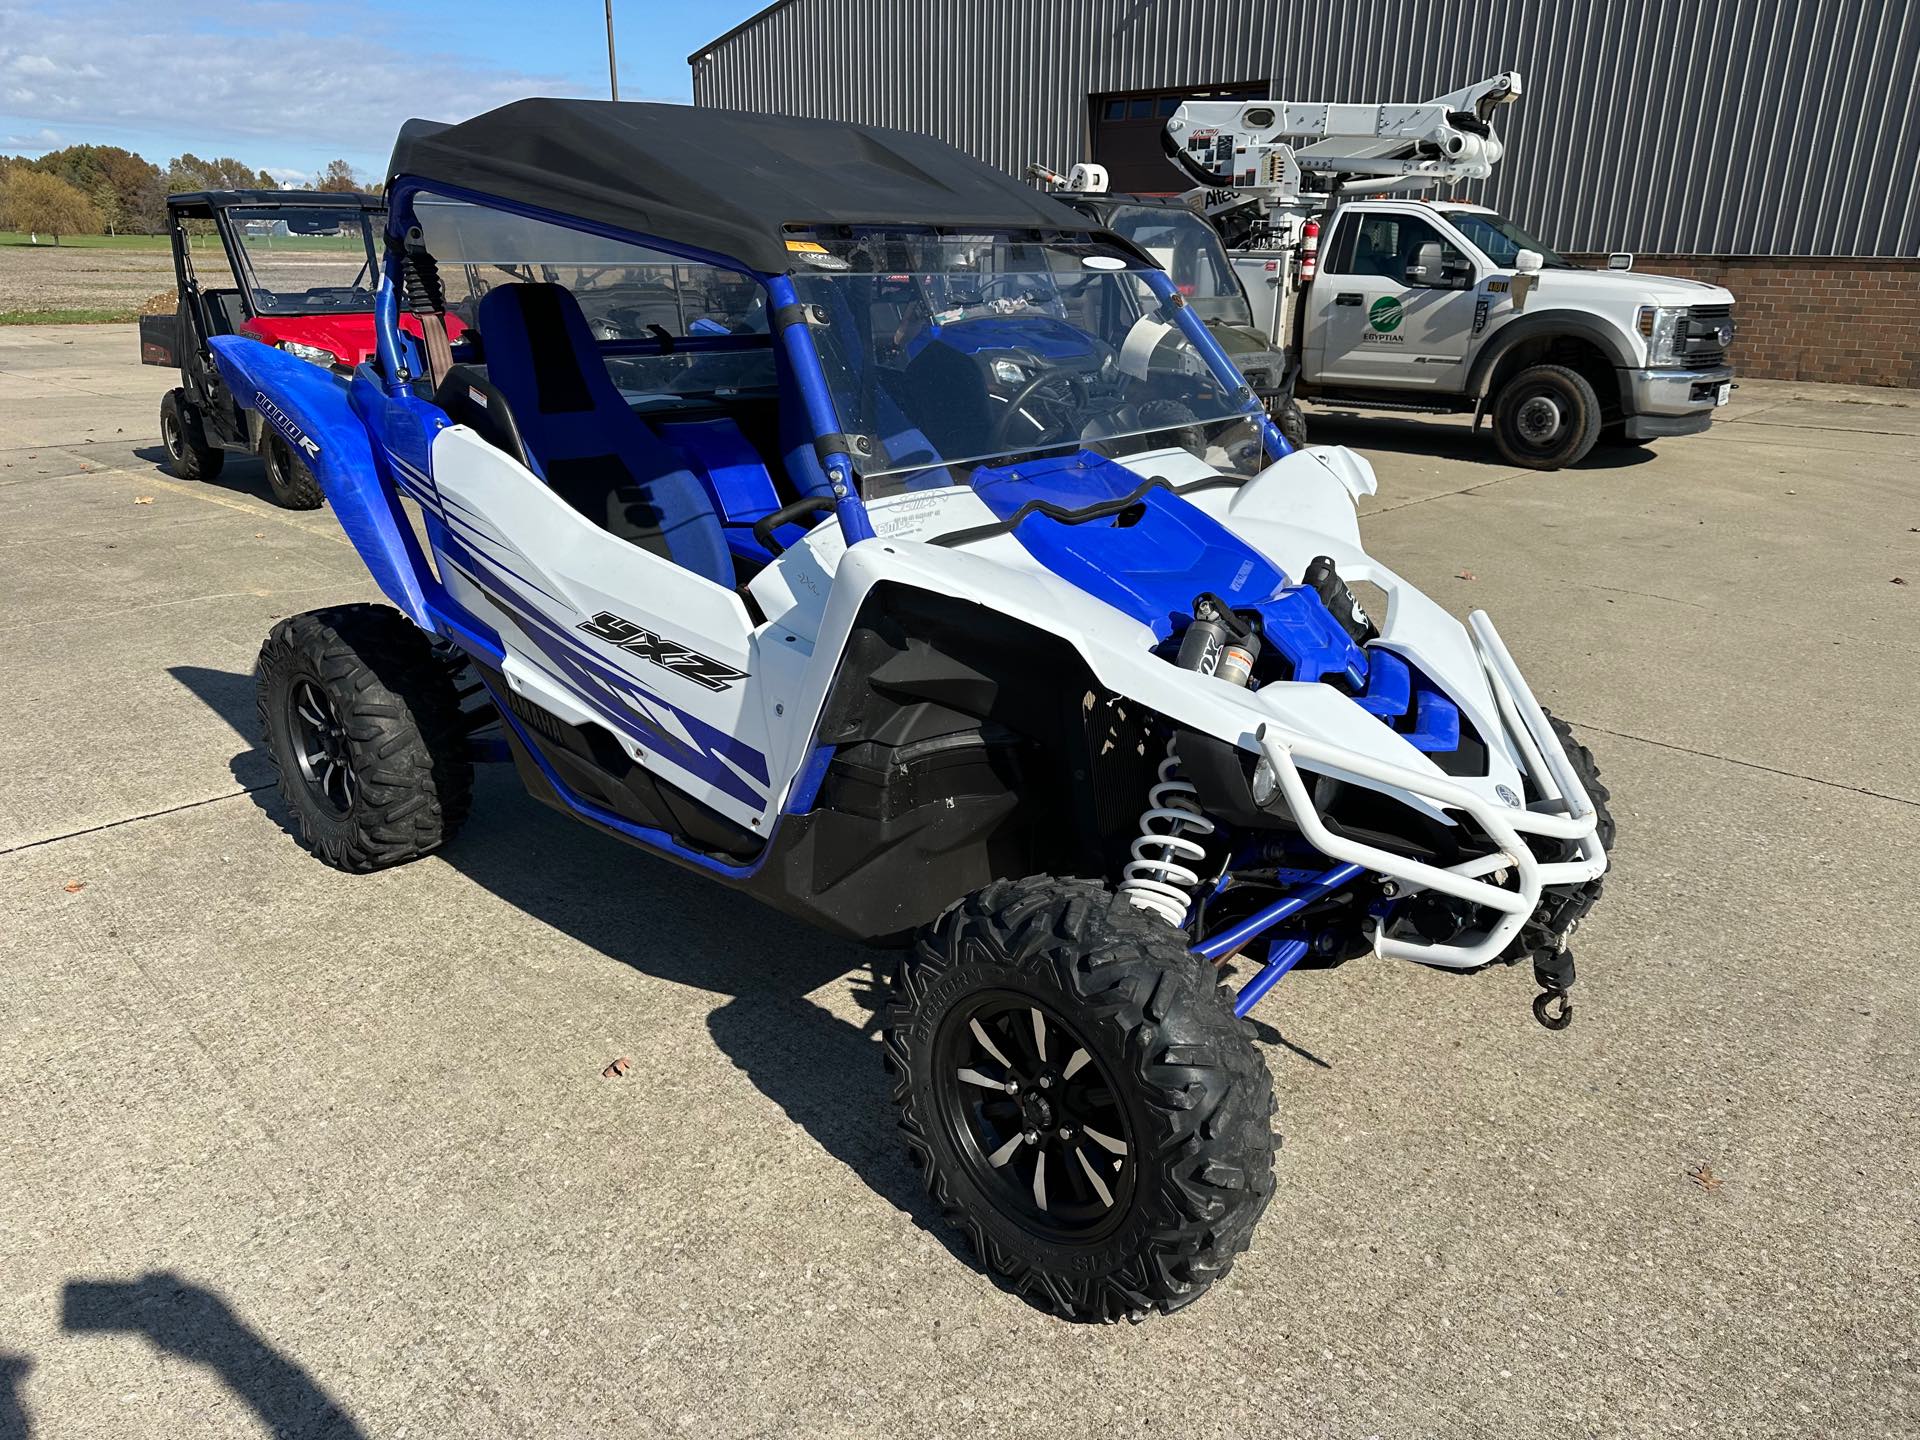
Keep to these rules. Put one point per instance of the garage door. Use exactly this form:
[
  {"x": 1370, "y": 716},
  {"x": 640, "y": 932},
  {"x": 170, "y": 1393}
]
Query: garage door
[{"x": 1126, "y": 133}]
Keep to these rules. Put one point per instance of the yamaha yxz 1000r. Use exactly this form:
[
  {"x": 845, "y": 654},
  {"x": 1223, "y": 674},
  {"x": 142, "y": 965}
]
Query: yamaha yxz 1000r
[{"x": 820, "y": 509}]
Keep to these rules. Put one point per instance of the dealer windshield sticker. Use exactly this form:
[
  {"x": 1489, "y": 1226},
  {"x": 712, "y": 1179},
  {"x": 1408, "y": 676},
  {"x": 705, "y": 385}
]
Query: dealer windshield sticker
[
  {"x": 806, "y": 247},
  {"x": 283, "y": 422}
]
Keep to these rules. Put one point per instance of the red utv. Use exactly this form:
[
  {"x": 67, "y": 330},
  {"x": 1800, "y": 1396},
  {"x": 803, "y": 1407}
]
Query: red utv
[{"x": 293, "y": 269}]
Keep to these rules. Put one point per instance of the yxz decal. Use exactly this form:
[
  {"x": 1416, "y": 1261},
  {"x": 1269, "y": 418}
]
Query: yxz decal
[
  {"x": 667, "y": 654},
  {"x": 283, "y": 422}
]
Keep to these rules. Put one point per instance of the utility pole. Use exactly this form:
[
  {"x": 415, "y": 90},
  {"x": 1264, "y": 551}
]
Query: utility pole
[{"x": 613, "y": 73}]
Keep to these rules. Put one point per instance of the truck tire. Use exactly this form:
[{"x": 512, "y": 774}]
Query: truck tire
[
  {"x": 1128, "y": 1165},
  {"x": 188, "y": 454},
  {"x": 362, "y": 720},
  {"x": 1545, "y": 417},
  {"x": 292, "y": 480}
]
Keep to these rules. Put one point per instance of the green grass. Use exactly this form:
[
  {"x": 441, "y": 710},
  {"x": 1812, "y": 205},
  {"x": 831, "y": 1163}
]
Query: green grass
[
  {"x": 90, "y": 242},
  {"x": 68, "y": 317}
]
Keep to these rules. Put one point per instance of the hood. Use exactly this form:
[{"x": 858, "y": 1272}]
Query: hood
[
  {"x": 348, "y": 333},
  {"x": 1628, "y": 287},
  {"x": 1152, "y": 560}
]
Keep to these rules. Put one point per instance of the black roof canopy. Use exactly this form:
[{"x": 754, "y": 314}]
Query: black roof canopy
[
  {"x": 198, "y": 204},
  {"x": 725, "y": 181}
]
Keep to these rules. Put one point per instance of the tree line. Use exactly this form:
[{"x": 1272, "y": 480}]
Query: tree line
[{"x": 105, "y": 190}]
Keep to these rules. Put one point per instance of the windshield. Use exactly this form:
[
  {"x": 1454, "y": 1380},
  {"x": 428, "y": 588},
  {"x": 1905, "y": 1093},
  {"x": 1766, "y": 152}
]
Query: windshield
[
  {"x": 949, "y": 351},
  {"x": 304, "y": 261},
  {"x": 1189, "y": 250},
  {"x": 1500, "y": 239}
]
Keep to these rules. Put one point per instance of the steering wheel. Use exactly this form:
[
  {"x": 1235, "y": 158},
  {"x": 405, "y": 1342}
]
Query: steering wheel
[{"x": 1059, "y": 427}]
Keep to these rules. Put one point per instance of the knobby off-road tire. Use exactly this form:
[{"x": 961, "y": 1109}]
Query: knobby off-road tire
[
  {"x": 1168, "y": 1074},
  {"x": 188, "y": 454},
  {"x": 292, "y": 480},
  {"x": 362, "y": 719},
  {"x": 1545, "y": 417},
  {"x": 1563, "y": 907},
  {"x": 1292, "y": 422}
]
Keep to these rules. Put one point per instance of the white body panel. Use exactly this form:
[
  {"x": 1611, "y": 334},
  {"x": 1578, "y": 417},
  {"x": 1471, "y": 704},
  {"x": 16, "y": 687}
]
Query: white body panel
[{"x": 738, "y": 744}]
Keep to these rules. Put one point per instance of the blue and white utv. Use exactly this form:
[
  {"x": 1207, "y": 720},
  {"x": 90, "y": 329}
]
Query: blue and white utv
[{"x": 820, "y": 509}]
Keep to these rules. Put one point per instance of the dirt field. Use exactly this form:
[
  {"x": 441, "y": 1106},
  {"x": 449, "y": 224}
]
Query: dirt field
[
  {"x": 71, "y": 277},
  {"x": 63, "y": 277}
]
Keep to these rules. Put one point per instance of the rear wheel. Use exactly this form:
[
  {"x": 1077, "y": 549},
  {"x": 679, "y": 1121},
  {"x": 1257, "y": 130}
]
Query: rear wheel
[
  {"x": 188, "y": 454},
  {"x": 1545, "y": 416},
  {"x": 1080, "y": 1098},
  {"x": 362, "y": 719},
  {"x": 294, "y": 486}
]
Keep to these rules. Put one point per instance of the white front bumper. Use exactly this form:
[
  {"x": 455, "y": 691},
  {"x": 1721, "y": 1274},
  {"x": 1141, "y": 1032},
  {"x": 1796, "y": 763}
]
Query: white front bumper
[{"x": 1564, "y": 812}]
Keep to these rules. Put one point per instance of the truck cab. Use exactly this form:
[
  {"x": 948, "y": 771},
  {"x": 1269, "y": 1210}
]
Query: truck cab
[{"x": 1450, "y": 305}]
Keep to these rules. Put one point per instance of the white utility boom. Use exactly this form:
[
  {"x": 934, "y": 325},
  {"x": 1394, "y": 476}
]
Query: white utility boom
[{"x": 1252, "y": 158}]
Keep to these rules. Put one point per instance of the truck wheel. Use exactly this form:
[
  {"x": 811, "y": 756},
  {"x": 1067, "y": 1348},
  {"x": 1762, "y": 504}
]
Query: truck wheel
[
  {"x": 1080, "y": 1099},
  {"x": 294, "y": 486},
  {"x": 1545, "y": 417},
  {"x": 188, "y": 454},
  {"x": 1292, "y": 422},
  {"x": 362, "y": 720}
]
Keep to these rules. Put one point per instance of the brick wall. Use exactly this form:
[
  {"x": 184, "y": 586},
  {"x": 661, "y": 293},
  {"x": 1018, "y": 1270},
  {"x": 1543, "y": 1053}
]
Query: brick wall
[{"x": 1853, "y": 322}]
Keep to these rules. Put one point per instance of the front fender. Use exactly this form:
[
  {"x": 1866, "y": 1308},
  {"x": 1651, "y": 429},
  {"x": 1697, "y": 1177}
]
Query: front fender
[{"x": 309, "y": 407}]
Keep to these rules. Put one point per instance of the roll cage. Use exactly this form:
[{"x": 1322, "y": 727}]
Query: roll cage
[{"x": 405, "y": 272}]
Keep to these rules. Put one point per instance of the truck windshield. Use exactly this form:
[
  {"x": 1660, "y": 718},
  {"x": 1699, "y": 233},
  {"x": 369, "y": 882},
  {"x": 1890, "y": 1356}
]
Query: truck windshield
[
  {"x": 1500, "y": 239},
  {"x": 946, "y": 352},
  {"x": 304, "y": 261},
  {"x": 1189, "y": 250}
]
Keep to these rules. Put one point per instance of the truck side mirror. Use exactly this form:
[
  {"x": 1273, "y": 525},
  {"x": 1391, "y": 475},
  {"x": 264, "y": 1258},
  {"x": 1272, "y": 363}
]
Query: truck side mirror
[
  {"x": 1429, "y": 267},
  {"x": 1527, "y": 262}
]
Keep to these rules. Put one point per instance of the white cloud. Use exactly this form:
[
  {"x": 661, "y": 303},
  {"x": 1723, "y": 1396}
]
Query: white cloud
[
  {"x": 35, "y": 143},
  {"x": 289, "y": 73}
]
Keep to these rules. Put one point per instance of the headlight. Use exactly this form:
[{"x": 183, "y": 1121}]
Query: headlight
[
  {"x": 311, "y": 353},
  {"x": 1266, "y": 784},
  {"x": 1665, "y": 329},
  {"x": 1008, "y": 373}
]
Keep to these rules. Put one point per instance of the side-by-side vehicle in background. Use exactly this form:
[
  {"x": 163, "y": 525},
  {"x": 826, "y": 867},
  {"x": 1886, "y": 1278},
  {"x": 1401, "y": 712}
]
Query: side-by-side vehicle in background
[
  {"x": 821, "y": 510},
  {"x": 290, "y": 268}
]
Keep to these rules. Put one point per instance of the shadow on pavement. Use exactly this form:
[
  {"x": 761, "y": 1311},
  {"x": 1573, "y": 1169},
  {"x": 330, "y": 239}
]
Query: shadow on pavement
[
  {"x": 1403, "y": 435},
  {"x": 14, "y": 1424},
  {"x": 823, "y": 1071},
  {"x": 242, "y": 474},
  {"x": 194, "y": 1323}
]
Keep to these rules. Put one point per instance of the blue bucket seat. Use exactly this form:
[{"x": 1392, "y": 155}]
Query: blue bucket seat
[{"x": 583, "y": 438}]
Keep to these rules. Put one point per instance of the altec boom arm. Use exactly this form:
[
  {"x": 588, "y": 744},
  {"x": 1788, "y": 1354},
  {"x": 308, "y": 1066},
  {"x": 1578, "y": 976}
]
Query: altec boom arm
[{"x": 1285, "y": 153}]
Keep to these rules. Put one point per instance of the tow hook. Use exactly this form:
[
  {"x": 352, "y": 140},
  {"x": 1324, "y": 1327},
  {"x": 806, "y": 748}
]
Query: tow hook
[{"x": 1553, "y": 972}]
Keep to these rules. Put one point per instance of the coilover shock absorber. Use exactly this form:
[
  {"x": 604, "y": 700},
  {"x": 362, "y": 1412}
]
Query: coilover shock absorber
[{"x": 1160, "y": 877}]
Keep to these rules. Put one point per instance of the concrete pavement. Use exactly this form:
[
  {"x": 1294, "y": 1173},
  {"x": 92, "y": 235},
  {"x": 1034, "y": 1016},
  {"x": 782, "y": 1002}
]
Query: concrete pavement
[{"x": 288, "y": 1152}]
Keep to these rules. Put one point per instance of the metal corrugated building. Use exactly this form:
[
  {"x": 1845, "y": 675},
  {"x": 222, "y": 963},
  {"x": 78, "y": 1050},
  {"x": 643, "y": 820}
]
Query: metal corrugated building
[{"x": 1716, "y": 128}]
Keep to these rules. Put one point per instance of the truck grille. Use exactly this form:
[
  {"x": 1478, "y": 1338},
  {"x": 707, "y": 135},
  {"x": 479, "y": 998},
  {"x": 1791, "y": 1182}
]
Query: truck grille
[{"x": 1709, "y": 333}]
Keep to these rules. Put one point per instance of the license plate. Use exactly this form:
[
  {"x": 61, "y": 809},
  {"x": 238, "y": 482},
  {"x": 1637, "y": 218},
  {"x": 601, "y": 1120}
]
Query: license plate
[{"x": 1723, "y": 394}]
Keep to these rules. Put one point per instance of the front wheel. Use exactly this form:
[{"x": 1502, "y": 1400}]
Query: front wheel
[
  {"x": 1545, "y": 417},
  {"x": 1080, "y": 1099},
  {"x": 1292, "y": 422},
  {"x": 362, "y": 719},
  {"x": 294, "y": 487},
  {"x": 188, "y": 454}
]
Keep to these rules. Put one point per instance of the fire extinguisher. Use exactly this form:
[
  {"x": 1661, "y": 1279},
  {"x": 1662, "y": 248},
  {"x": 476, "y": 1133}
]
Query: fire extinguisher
[{"x": 1309, "y": 249}]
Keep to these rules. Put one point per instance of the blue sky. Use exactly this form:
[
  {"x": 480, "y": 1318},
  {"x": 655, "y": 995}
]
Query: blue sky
[{"x": 287, "y": 85}]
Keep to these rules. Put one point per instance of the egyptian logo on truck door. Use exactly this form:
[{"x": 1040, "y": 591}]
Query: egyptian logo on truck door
[
  {"x": 668, "y": 654},
  {"x": 1385, "y": 315}
]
